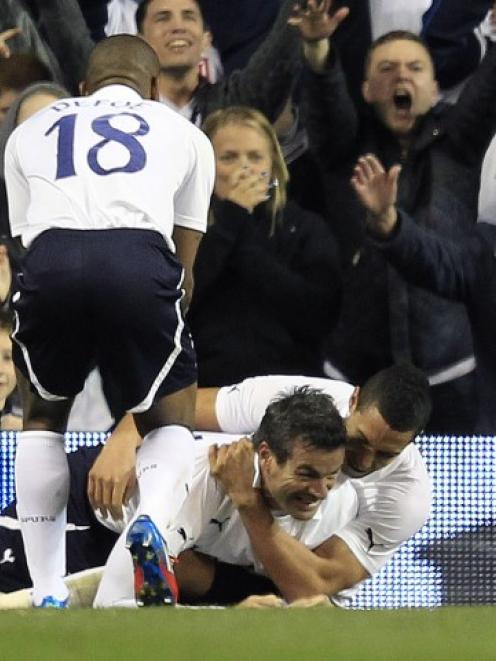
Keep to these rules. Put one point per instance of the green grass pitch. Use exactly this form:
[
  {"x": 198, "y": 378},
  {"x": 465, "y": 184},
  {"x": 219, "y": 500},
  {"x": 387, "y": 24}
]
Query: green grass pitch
[{"x": 237, "y": 635}]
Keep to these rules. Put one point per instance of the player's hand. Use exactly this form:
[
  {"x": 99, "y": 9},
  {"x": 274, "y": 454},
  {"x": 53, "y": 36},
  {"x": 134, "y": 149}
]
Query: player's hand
[
  {"x": 233, "y": 468},
  {"x": 4, "y": 38},
  {"x": 377, "y": 190},
  {"x": 316, "y": 19},
  {"x": 112, "y": 479},
  {"x": 273, "y": 601},
  {"x": 262, "y": 601},
  {"x": 319, "y": 600},
  {"x": 247, "y": 189}
]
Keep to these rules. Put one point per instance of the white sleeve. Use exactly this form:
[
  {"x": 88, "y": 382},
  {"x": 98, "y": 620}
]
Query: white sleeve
[
  {"x": 401, "y": 508},
  {"x": 240, "y": 408},
  {"x": 192, "y": 200},
  {"x": 17, "y": 188}
]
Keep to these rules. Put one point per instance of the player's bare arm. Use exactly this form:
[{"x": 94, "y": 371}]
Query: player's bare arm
[
  {"x": 186, "y": 242},
  {"x": 297, "y": 571},
  {"x": 205, "y": 417},
  {"x": 265, "y": 601}
]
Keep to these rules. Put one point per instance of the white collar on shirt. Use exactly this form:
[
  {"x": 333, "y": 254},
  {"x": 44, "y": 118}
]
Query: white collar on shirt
[{"x": 117, "y": 92}]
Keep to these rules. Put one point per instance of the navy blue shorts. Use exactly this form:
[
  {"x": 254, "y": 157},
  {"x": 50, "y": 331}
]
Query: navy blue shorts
[{"x": 102, "y": 297}]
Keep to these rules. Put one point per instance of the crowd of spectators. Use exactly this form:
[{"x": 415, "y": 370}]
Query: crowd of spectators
[
  {"x": 287, "y": 278},
  {"x": 354, "y": 158}
]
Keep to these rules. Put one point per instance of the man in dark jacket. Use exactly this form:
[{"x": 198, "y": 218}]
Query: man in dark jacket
[
  {"x": 384, "y": 319},
  {"x": 464, "y": 271},
  {"x": 176, "y": 31}
]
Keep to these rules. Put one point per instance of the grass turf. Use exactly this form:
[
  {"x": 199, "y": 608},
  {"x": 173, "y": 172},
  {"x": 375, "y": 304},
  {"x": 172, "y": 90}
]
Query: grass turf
[{"x": 235, "y": 635}]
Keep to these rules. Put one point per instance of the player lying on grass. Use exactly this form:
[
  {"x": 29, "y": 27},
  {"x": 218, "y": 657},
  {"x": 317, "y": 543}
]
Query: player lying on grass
[
  {"x": 389, "y": 477},
  {"x": 382, "y": 464},
  {"x": 291, "y": 465},
  {"x": 294, "y": 460}
]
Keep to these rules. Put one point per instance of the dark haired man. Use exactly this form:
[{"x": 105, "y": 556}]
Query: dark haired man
[
  {"x": 293, "y": 460},
  {"x": 292, "y": 465},
  {"x": 178, "y": 34},
  {"x": 465, "y": 272},
  {"x": 176, "y": 31},
  {"x": 384, "y": 468},
  {"x": 382, "y": 463},
  {"x": 384, "y": 319}
]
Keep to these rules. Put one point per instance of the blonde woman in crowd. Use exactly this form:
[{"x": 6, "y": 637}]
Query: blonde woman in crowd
[{"x": 267, "y": 283}]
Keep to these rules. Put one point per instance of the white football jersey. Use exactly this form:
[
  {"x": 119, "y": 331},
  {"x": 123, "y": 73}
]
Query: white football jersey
[
  {"x": 209, "y": 522},
  {"x": 109, "y": 160},
  {"x": 393, "y": 503}
]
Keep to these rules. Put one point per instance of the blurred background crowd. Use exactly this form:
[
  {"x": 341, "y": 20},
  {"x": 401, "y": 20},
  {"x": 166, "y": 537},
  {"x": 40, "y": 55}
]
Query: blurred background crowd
[{"x": 288, "y": 280}]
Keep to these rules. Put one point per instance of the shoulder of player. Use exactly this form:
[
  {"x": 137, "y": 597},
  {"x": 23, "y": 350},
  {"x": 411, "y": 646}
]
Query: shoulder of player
[
  {"x": 288, "y": 382},
  {"x": 181, "y": 125},
  {"x": 405, "y": 489},
  {"x": 168, "y": 114},
  {"x": 397, "y": 512},
  {"x": 19, "y": 141},
  {"x": 343, "y": 492},
  {"x": 410, "y": 466}
]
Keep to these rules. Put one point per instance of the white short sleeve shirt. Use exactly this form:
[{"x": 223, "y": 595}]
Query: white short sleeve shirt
[
  {"x": 393, "y": 503},
  {"x": 109, "y": 160},
  {"x": 209, "y": 522}
]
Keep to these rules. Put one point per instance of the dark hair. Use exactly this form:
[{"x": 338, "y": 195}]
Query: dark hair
[
  {"x": 20, "y": 70},
  {"x": 402, "y": 396},
  {"x": 305, "y": 414},
  {"x": 125, "y": 59},
  {"x": 142, "y": 9},
  {"x": 395, "y": 35}
]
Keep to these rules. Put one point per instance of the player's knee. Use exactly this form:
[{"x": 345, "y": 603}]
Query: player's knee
[
  {"x": 175, "y": 409},
  {"x": 42, "y": 415}
]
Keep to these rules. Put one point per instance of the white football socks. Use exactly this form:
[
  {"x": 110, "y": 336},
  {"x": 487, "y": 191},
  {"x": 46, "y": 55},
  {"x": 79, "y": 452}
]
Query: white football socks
[
  {"x": 164, "y": 466},
  {"x": 117, "y": 584},
  {"x": 42, "y": 486}
]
